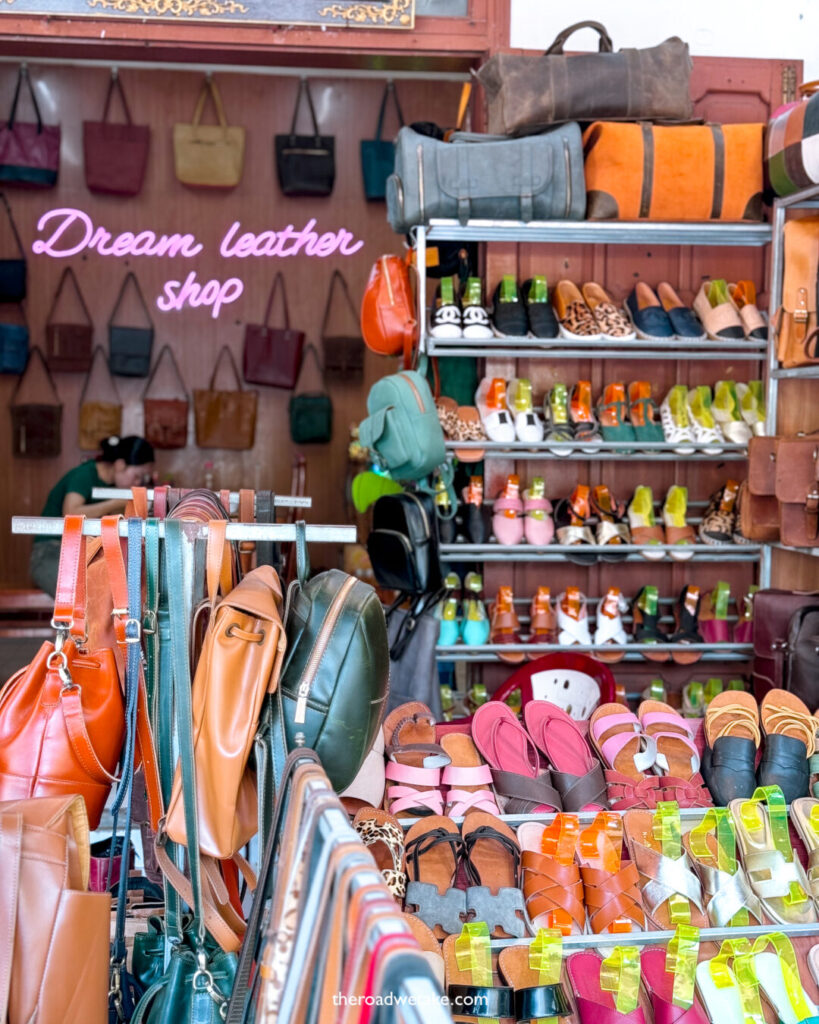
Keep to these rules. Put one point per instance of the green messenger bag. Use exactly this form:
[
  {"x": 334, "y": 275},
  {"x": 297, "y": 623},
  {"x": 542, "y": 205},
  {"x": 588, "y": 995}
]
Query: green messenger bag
[{"x": 334, "y": 685}]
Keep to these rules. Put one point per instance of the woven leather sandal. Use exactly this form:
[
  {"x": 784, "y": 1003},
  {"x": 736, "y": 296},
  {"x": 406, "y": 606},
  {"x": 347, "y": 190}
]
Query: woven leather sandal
[
  {"x": 732, "y": 738},
  {"x": 610, "y": 887},
  {"x": 492, "y": 859},
  {"x": 552, "y": 888}
]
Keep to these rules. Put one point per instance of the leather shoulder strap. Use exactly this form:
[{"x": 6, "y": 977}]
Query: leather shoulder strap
[
  {"x": 70, "y": 596},
  {"x": 11, "y": 854}
]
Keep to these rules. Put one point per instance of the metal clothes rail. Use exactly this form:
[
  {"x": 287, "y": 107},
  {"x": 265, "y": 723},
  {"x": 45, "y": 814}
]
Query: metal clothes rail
[
  {"x": 43, "y": 526},
  {"x": 279, "y": 500}
]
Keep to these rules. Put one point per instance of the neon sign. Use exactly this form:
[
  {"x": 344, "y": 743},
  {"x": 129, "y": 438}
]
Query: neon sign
[{"x": 68, "y": 231}]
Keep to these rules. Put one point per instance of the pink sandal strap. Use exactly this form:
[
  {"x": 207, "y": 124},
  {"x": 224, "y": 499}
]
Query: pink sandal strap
[
  {"x": 606, "y": 722},
  {"x": 535, "y": 504},
  {"x": 665, "y": 718},
  {"x": 507, "y": 504},
  {"x": 476, "y": 776},
  {"x": 643, "y": 759},
  {"x": 404, "y": 798},
  {"x": 430, "y": 777},
  {"x": 460, "y": 801}
]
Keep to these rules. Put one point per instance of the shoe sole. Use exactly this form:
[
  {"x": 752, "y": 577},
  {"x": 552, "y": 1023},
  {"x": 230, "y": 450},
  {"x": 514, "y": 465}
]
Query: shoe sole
[
  {"x": 579, "y": 337},
  {"x": 437, "y": 332},
  {"x": 478, "y": 332}
]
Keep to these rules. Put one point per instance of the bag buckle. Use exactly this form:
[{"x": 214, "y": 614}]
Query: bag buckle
[
  {"x": 150, "y": 623},
  {"x": 202, "y": 981}
]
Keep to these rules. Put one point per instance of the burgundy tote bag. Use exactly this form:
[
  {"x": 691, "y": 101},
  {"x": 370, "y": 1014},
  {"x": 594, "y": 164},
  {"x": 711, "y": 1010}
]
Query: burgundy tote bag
[
  {"x": 116, "y": 155},
  {"x": 29, "y": 153},
  {"x": 272, "y": 355}
]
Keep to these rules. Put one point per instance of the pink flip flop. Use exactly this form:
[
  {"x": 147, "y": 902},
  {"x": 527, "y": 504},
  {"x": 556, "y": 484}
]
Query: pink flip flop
[
  {"x": 660, "y": 986},
  {"x": 539, "y": 530},
  {"x": 520, "y": 782},
  {"x": 594, "y": 1006},
  {"x": 576, "y": 772}
]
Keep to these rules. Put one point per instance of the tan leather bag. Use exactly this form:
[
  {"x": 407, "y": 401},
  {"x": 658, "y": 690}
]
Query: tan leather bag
[
  {"x": 225, "y": 419},
  {"x": 98, "y": 418},
  {"x": 54, "y": 939},
  {"x": 241, "y": 660},
  {"x": 209, "y": 155},
  {"x": 796, "y": 321},
  {"x": 797, "y": 489}
]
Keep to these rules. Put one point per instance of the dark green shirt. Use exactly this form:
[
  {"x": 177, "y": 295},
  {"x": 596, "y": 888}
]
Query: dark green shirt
[{"x": 80, "y": 480}]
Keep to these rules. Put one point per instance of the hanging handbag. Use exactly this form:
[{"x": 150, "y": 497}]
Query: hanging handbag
[
  {"x": 62, "y": 717},
  {"x": 98, "y": 418},
  {"x": 116, "y": 155},
  {"x": 773, "y": 614},
  {"x": 306, "y": 164},
  {"x": 225, "y": 419},
  {"x": 14, "y": 339},
  {"x": 378, "y": 155},
  {"x": 528, "y": 94},
  {"x": 69, "y": 345},
  {"x": 130, "y": 347},
  {"x": 343, "y": 353},
  {"x": 166, "y": 419},
  {"x": 311, "y": 412},
  {"x": 272, "y": 355},
  {"x": 209, "y": 155},
  {"x": 54, "y": 939},
  {"x": 797, "y": 489},
  {"x": 388, "y": 320},
  {"x": 795, "y": 324},
  {"x": 13, "y": 271},
  {"x": 36, "y": 426},
  {"x": 29, "y": 153}
]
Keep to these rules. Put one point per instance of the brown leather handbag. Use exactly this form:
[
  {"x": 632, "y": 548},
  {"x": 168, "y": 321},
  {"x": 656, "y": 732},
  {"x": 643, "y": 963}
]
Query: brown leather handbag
[
  {"x": 272, "y": 355},
  {"x": 796, "y": 322},
  {"x": 343, "y": 353},
  {"x": 772, "y": 615},
  {"x": 529, "y": 94},
  {"x": 98, "y": 418},
  {"x": 36, "y": 423},
  {"x": 166, "y": 419},
  {"x": 240, "y": 662},
  {"x": 758, "y": 507},
  {"x": 69, "y": 345},
  {"x": 54, "y": 943},
  {"x": 62, "y": 718},
  {"x": 797, "y": 489},
  {"x": 225, "y": 419},
  {"x": 116, "y": 155}
]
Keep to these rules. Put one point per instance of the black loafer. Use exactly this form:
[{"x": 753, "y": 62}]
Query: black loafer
[
  {"x": 785, "y": 764},
  {"x": 729, "y": 769}
]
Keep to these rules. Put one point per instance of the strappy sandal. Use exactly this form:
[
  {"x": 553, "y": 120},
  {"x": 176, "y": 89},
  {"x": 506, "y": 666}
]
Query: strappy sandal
[
  {"x": 678, "y": 760},
  {"x": 732, "y": 738},
  {"x": 717, "y": 526},
  {"x": 663, "y": 972},
  {"x": 711, "y": 846},
  {"x": 556, "y": 415},
  {"x": 612, "y": 529},
  {"x": 552, "y": 887},
  {"x": 773, "y": 869},
  {"x": 643, "y": 413},
  {"x": 790, "y": 739},
  {"x": 468, "y": 778},
  {"x": 610, "y": 632},
  {"x": 468, "y": 427},
  {"x": 433, "y": 849},
  {"x": 610, "y": 886},
  {"x": 713, "y": 615},
  {"x": 597, "y": 1004},
  {"x": 645, "y": 611},
  {"x": 645, "y": 530},
  {"x": 707, "y": 437},
  {"x": 520, "y": 783},
  {"x": 572, "y": 619},
  {"x": 613, "y": 416},
  {"x": 385, "y": 837},
  {"x": 576, "y": 774},
  {"x": 676, "y": 421},
  {"x": 542, "y": 618},
  {"x": 492, "y": 859},
  {"x": 571, "y": 515},
  {"x": 677, "y": 530},
  {"x": 805, "y": 818},
  {"x": 628, "y": 757},
  {"x": 414, "y": 761},
  {"x": 584, "y": 423},
  {"x": 538, "y": 525},
  {"x": 538, "y": 995},
  {"x": 504, "y": 625},
  {"x": 667, "y": 882},
  {"x": 687, "y": 628}
]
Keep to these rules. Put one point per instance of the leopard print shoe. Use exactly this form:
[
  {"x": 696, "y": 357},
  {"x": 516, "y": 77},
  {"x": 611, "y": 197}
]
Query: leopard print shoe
[
  {"x": 719, "y": 522},
  {"x": 612, "y": 322},
  {"x": 576, "y": 319},
  {"x": 381, "y": 832}
]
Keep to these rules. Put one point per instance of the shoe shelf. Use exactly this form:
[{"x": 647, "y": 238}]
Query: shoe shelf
[
  {"x": 562, "y": 348},
  {"x": 495, "y": 552},
  {"x": 601, "y": 232},
  {"x": 797, "y": 373},
  {"x": 605, "y": 451},
  {"x": 633, "y": 651}
]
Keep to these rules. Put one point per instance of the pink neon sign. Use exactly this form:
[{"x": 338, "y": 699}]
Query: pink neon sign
[{"x": 68, "y": 231}]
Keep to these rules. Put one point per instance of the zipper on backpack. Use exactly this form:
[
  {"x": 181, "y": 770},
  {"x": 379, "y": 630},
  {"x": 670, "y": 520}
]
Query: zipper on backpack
[
  {"x": 323, "y": 639},
  {"x": 415, "y": 390}
]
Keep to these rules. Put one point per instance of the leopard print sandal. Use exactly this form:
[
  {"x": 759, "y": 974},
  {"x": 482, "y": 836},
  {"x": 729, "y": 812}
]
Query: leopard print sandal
[{"x": 381, "y": 832}]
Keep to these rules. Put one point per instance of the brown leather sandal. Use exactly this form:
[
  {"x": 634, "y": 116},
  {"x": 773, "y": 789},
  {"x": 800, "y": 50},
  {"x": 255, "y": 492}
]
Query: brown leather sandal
[
  {"x": 505, "y": 625},
  {"x": 548, "y": 884}
]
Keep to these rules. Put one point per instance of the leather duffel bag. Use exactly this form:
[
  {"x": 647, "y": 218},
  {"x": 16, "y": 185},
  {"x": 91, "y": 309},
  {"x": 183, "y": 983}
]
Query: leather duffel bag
[
  {"x": 538, "y": 178},
  {"x": 526, "y": 94},
  {"x": 673, "y": 173}
]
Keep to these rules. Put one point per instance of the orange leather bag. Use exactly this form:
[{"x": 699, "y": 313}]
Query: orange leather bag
[
  {"x": 62, "y": 718},
  {"x": 673, "y": 173},
  {"x": 388, "y": 323},
  {"x": 797, "y": 337},
  {"x": 240, "y": 662},
  {"x": 54, "y": 939}
]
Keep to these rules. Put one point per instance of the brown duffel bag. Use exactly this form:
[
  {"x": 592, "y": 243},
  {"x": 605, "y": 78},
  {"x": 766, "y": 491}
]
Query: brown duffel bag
[
  {"x": 528, "y": 94},
  {"x": 54, "y": 941}
]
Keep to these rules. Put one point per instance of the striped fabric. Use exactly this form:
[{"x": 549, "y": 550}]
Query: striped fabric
[{"x": 792, "y": 148}]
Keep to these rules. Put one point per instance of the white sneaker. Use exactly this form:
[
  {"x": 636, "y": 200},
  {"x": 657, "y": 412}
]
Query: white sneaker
[
  {"x": 496, "y": 418},
  {"x": 446, "y": 322},
  {"x": 476, "y": 323}
]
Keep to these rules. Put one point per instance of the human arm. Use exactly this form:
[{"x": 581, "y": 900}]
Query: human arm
[{"x": 75, "y": 504}]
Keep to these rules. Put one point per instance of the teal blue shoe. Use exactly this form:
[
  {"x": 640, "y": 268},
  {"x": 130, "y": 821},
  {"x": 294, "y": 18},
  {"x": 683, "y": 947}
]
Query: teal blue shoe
[
  {"x": 449, "y": 631},
  {"x": 475, "y": 625}
]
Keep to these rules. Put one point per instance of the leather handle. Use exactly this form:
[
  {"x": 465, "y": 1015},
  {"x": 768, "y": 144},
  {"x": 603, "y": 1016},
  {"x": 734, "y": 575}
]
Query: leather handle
[
  {"x": 277, "y": 280},
  {"x": 15, "y": 232},
  {"x": 36, "y": 356},
  {"x": 70, "y": 596},
  {"x": 139, "y": 499},
  {"x": 389, "y": 90},
  {"x": 99, "y": 352},
  {"x": 23, "y": 76},
  {"x": 304, "y": 90},
  {"x": 604, "y": 45},
  {"x": 115, "y": 85},
  {"x": 130, "y": 277},
  {"x": 224, "y": 350},
  {"x": 215, "y": 560},
  {"x": 337, "y": 276},
  {"x": 71, "y": 705},
  {"x": 302, "y": 554},
  {"x": 11, "y": 855},
  {"x": 69, "y": 275},
  {"x": 209, "y": 89},
  {"x": 166, "y": 350}
]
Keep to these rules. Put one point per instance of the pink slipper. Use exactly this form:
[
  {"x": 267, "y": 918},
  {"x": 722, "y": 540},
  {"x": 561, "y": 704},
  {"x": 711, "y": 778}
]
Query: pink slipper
[
  {"x": 468, "y": 778},
  {"x": 519, "y": 780},
  {"x": 594, "y": 1006},
  {"x": 660, "y": 986},
  {"x": 539, "y": 530},
  {"x": 576, "y": 772},
  {"x": 507, "y": 527}
]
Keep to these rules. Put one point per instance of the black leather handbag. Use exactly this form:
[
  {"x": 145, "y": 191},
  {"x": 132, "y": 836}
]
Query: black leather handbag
[
  {"x": 306, "y": 164},
  {"x": 403, "y": 544},
  {"x": 13, "y": 271},
  {"x": 130, "y": 347}
]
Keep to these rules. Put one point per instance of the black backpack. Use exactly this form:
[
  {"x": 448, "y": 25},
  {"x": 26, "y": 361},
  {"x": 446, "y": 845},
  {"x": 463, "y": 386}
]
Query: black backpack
[
  {"x": 803, "y": 654},
  {"x": 403, "y": 544}
]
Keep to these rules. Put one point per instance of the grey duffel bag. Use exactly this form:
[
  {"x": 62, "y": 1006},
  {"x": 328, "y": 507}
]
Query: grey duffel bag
[{"x": 477, "y": 176}]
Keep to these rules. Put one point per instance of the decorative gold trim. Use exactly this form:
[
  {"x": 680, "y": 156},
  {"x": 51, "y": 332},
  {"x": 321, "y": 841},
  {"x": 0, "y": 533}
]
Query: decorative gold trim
[
  {"x": 385, "y": 13},
  {"x": 174, "y": 8}
]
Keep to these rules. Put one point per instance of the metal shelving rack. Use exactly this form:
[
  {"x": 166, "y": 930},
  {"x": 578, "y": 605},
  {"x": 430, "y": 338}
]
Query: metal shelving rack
[{"x": 604, "y": 451}]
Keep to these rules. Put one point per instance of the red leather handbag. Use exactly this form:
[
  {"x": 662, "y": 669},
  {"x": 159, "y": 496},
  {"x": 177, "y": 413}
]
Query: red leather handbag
[
  {"x": 29, "y": 153},
  {"x": 388, "y": 323},
  {"x": 272, "y": 355},
  {"x": 116, "y": 155},
  {"x": 62, "y": 718},
  {"x": 69, "y": 346}
]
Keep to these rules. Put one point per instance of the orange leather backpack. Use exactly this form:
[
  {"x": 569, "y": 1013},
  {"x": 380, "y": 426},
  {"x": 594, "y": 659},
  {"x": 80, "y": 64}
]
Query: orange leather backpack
[{"x": 388, "y": 322}]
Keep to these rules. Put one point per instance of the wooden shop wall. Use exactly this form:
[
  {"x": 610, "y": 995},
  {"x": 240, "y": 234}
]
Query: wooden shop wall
[{"x": 347, "y": 109}]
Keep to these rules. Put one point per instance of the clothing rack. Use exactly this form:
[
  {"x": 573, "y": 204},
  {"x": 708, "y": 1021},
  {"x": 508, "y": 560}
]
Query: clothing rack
[
  {"x": 48, "y": 527},
  {"x": 279, "y": 500}
]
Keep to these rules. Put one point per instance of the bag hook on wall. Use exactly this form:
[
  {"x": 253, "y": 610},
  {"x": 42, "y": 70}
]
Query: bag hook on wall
[{"x": 114, "y": 73}]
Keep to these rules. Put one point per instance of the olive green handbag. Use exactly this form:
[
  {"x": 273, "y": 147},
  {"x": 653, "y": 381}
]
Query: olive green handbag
[{"x": 334, "y": 685}]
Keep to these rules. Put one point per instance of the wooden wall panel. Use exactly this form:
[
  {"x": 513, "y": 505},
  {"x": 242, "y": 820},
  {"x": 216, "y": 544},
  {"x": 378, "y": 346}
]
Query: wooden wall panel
[{"x": 348, "y": 109}]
